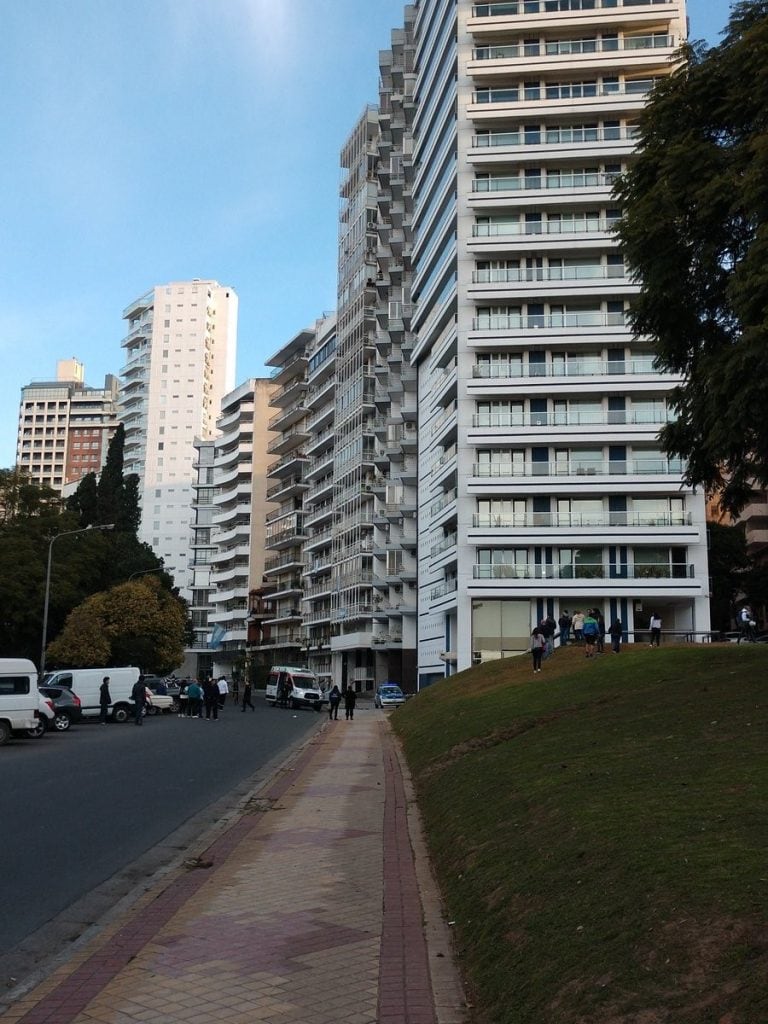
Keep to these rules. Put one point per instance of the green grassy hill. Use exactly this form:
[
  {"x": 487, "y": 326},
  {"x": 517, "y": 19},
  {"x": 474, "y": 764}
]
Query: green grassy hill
[{"x": 600, "y": 833}]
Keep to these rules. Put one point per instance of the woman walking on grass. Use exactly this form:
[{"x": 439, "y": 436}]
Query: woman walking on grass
[{"x": 538, "y": 643}]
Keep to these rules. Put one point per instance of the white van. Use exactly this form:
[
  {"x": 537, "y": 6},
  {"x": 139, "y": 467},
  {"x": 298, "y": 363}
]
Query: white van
[
  {"x": 85, "y": 683},
  {"x": 295, "y": 687},
  {"x": 19, "y": 697}
]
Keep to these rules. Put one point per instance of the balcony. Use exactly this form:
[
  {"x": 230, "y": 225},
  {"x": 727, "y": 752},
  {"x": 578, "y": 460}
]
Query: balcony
[
  {"x": 544, "y": 183},
  {"x": 587, "y": 367},
  {"x": 569, "y": 520},
  {"x": 553, "y": 571},
  {"x": 551, "y": 321},
  {"x": 443, "y": 589},
  {"x": 652, "y": 466},
  {"x": 612, "y": 140},
  {"x": 574, "y": 417}
]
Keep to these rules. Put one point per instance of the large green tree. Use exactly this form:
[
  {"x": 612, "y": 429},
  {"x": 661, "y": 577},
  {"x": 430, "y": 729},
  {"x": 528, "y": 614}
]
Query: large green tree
[
  {"x": 695, "y": 232},
  {"x": 137, "y": 623}
]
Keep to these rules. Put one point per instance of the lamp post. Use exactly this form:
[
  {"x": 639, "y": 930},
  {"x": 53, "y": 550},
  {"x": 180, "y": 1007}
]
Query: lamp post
[
  {"x": 67, "y": 533},
  {"x": 143, "y": 572}
]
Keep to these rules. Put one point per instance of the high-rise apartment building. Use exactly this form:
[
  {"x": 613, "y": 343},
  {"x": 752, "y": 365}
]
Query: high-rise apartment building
[
  {"x": 281, "y": 633},
  {"x": 65, "y": 427},
  {"x": 542, "y": 484},
  {"x": 228, "y": 528},
  {"x": 180, "y": 348}
]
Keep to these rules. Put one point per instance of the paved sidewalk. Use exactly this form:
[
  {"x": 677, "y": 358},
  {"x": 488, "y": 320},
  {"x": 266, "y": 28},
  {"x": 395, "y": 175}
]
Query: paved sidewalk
[{"x": 307, "y": 910}]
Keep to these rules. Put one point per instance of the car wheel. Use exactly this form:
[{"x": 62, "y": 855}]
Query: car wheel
[
  {"x": 39, "y": 730},
  {"x": 318, "y": 707},
  {"x": 62, "y": 721},
  {"x": 120, "y": 714},
  {"x": 294, "y": 705},
  {"x": 5, "y": 733}
]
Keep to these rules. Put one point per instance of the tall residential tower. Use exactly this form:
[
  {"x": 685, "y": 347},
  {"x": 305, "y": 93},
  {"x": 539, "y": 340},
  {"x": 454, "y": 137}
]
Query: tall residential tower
[
  {"x": 542, "y": 483},
  {"x": 180, "y": 349}
]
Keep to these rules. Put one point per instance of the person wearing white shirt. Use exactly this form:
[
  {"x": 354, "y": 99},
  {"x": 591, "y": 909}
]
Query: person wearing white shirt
[{"x": 223, "y": 688}]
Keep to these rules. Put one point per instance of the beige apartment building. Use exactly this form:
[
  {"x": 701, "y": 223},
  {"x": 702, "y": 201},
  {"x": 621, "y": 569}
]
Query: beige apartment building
[{"x": 65, "y": 426}]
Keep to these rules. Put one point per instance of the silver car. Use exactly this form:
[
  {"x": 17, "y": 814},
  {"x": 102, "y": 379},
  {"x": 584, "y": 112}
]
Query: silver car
[{"x": 388, "y": 695}]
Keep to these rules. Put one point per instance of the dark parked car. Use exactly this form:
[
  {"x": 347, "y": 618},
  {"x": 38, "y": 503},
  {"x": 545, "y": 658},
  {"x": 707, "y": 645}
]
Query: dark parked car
[{"x": 66, "y": 706}]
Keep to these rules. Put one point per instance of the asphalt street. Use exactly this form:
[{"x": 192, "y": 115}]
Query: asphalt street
[{"x": 81, "y": 808}]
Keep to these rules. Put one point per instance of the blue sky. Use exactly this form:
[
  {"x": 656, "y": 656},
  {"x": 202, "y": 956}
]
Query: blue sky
[{"x": 158, "y": 140}]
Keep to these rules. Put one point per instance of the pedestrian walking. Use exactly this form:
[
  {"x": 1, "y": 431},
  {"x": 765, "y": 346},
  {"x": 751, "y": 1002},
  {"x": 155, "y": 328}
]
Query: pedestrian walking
[
  {"x": 223, "y": 688},
  {"x": 139, "y": 697},
  {"x": 601, "y": 631},
  {"x": 577, "y": 625},
  {"x": 334, "y": 699},
  {"x": 538, "y": 643},
  {"x": 194, "y": 699},
  {"x": 590, "y": 632},
  {"x": 349, "y": 703},
  {"x": 616, "y": 631},
  {"x": 104, "y": 700},
  {"x": 547, "y": 626},
  {"x": 247, "y": 702},
  {"x": 747, "y": 624},
  {"x": 655, "y": 629},
  {"x": 564, "y": 622},
  {"x": 211, "y": 699},
  {"x": 235, "y": 691}
]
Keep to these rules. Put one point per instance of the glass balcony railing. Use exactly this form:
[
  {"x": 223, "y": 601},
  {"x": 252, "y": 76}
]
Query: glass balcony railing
[
  {"x": 571, "y": 47},
  {"x": 552, "y": 571},
  {"x": 566, "y": 226},
  {"x": 537, "y": 520},
  {"x": 511, "y": 275},
  {"x": 535, "y": 321},
  {"x": 613, "y": 467},
  {"x": 555, "y": 136},
  {"x": 567, "y": 91},
  {"x": 574, "y": 418},
  {"x": 514, "y": 183},
  {"x": 573, "y": 368},
  {"x": 506, "y": 9}
]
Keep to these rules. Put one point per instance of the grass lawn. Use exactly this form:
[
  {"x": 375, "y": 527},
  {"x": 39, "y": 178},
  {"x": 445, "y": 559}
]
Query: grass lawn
[{"x": 600, "y": 833}]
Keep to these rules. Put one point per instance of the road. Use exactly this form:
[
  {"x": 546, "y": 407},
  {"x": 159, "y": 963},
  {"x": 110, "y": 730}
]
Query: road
[{"x": 92, "y": 810}]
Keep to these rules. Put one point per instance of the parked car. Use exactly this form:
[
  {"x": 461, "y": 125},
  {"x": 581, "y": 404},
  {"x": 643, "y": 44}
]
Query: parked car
[
  {"x": 67, "y": 707},
  {"x": 44, "y": 721},
  {"x": 388, "y": 695},
  {"x": 157, "y": 703}
]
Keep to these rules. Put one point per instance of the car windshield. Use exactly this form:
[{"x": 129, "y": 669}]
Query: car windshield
[
  {"x": 306, "y": 682},
  {"x": 391, "y": 691}
]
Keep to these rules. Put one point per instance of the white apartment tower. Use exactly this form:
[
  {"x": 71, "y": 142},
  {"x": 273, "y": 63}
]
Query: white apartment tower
[
  {"x": 180, "y": 349},
  {"x": 542, "y": 484}
]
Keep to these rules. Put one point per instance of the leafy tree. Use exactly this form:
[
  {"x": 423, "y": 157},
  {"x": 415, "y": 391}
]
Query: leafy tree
[
  {"x": 21, "y": 497},
  {"x": 135, "y": 622},
  {"x": 694, "y": 230},
  {"x": 728, "y": 561}
]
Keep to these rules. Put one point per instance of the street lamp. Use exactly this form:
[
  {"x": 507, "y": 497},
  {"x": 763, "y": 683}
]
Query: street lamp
[
  {"x": 143, "y": 572},
  {"x": 67, "y": 533}
]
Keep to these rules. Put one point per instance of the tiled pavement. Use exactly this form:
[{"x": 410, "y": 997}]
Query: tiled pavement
[{"x": 307, "y": 910}]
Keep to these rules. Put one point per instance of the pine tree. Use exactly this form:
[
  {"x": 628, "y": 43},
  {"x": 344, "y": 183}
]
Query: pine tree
[{"x": 110, "y": 496}]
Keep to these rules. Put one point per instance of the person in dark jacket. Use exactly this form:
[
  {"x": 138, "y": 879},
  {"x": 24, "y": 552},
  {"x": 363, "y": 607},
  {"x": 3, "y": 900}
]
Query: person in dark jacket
[
  {"x": 247, "y": 702},
  {"x": 616, "y": 630},
  {"x": 104, "y": 700},
  {"x": 139, "y": 697},
  {"x": 349, "y": 702},
  {"x": 211, "y": 698},
  {"x": 334, "y": 699}
]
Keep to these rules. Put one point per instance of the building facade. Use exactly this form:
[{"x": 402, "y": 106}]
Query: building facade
[
  {"x": 229, "y": 514},
  {"x": 180, "y": 349},
  {"x": 543, "y": 487},
  {"x": 65, "y": 427}
]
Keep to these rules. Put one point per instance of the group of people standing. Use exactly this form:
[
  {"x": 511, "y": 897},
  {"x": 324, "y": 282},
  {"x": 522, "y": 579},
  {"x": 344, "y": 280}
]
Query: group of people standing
[
  {"x": 210, "y": 697},
  {"x": 335, "y": 698},
  {"x": 587, "y": 628}
]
